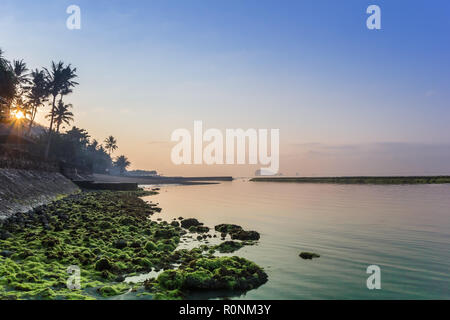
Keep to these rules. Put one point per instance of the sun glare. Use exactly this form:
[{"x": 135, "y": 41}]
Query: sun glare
[{"x": 19, "y": 115}]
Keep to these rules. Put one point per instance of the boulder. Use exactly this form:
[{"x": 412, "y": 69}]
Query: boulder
[
  {"x": 187, "y": 223},
  {"x": 308, "y": 255}
]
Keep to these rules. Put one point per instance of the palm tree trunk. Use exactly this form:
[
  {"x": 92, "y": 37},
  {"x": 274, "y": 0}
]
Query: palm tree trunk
[
  {"x": 33, "y": 116},
  {"x": 47, "y": 149}
]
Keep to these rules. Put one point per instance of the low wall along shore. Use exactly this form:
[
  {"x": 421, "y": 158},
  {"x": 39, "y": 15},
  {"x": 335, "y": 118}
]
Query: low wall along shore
[{"x": 23, "y": 190}]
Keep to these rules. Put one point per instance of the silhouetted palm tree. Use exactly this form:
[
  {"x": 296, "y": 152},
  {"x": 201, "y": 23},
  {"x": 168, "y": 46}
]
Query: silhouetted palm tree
[
  {"x": 94, "y": 146},
  {"x": 37, "y": 94},
  {"x": 122, "y": 163},
  {"x": 7, "y": 86},
  {"x": 110, "y": 144},
  {"x": 59, "y": 82},
  {"x": 62, "y": 114},
  {"x": 20, "y": 70}
]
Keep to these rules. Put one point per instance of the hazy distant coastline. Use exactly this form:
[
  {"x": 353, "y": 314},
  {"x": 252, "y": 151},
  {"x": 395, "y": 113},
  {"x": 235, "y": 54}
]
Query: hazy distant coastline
[{"x": 359, "y": 179}]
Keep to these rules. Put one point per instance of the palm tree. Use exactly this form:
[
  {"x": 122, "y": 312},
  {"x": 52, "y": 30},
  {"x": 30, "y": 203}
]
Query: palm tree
[
  {"x": 122, "y": 163},
  {"x": 110, "y": 144},
  {"x": 62, "y": 114},
  {"x": 37, "y": 94},
  {"x": 59, "y": 82},
  {"x": 22, "y": 77},
  {"x": 94, "y": 146},
  {"x": 7, "y": 86}
]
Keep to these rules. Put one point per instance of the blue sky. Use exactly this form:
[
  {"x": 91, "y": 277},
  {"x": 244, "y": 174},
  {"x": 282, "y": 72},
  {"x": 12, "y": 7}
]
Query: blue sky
[{"x": 310, "y": 68}]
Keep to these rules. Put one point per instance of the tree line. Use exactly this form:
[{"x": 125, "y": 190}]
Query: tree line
[{"x": 24, "y": 93}]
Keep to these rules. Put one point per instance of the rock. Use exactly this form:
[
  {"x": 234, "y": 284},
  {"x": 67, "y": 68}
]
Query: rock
[
  {"x": 120, "y": 278},
  {"x": 5, "y": 235},
  {"x": 120, "y": 244},
  {"x": 187, "y": 223},
  {"x": 229, "y": 246},
  {"x": 175, "y": 224},
  {"x": 150, "y": 246},
  {"x": 308, "y": 255},
  {"x": 227, "y": 228},
  {"x": 198, "y": 229},
  {"x": 6, "y": 253},
  {"x": 103, "y": 264},
  {"x": 135, "y": 244},
  {"x": 202, "y": 229},
  {"x": 218, "y": 273},
  {"x": 165, "y": 233},
  {"x": 245, "y": 235}
]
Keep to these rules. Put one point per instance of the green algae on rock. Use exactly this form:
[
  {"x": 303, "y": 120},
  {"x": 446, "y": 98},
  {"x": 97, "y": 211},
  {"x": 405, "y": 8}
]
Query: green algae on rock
[
  {"x": 236, "y": 232},
  {"x": 229, "y": 246},
  {"x": 109, "y": 236},
  {"x": 217, "y": 273},
  {"x": 92, "y": 230}
]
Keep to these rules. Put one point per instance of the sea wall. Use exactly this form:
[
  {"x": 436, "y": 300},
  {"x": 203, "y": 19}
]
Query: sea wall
[{"x": 22, "y": 190}]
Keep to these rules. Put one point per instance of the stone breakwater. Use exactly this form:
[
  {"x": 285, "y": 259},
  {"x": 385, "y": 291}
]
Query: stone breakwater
[{"x": 23, "y": 190}]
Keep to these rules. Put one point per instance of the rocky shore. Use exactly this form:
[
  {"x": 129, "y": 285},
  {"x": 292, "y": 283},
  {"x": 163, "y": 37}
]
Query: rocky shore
[{"x": 111, "y": 236}]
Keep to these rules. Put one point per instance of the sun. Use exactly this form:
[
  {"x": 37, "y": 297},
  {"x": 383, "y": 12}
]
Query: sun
[{"x": 19, "y": 115}]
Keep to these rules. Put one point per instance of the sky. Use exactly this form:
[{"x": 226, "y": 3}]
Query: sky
[{"x": 347, "y": 100}]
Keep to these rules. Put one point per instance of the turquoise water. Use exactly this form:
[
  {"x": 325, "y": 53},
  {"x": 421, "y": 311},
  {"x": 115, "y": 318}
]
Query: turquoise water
[{"x": 405, "y": 230}]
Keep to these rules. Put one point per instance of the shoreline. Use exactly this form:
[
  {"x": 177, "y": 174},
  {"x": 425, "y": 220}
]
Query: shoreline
[{"x": 379, "y": 180}]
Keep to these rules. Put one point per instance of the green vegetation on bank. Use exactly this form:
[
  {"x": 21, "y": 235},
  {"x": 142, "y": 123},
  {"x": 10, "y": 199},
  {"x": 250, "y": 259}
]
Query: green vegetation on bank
[
  {"x": 109, "y": 236},
  {"x": 359, "y": 180}
]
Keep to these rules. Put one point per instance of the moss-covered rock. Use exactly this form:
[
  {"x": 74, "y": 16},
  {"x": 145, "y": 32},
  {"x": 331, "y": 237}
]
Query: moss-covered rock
[
  {"x": 187, "y": 223},
  {"x": 109, "y": 236},
  {"x": 308, "y": 255},
  {"x": 224, "y": 273},
  {"x": 113, "y": 290},
  {"x": 229, "y": 246}
]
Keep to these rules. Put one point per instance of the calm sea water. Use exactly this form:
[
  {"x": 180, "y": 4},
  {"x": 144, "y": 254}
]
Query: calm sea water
[{"x": 405, "y": 230}]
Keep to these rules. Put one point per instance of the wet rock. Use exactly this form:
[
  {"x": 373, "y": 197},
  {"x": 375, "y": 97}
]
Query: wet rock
[
  {"x": 103, "y": 264},
  {"x": 175, "y": 224},
  {"x": 6, "y": 253},
  {"x": 229, "y": 246},
  {"x": 308, "y": 255},
  {"x": 227, "y": 228},
  {"x": 150, "y": 246},
  {"x": 120, "y": 278},
  {"x": 245, "y": 235},
  {"x": 187, "y": 223},
  {"x": 202, "y": 229},
  {"x": 224, "y": 273},
  {"x": 120, "y": 244},
  {"x": 135, "y": 244},
  {"x": 5, "y": 235}
]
